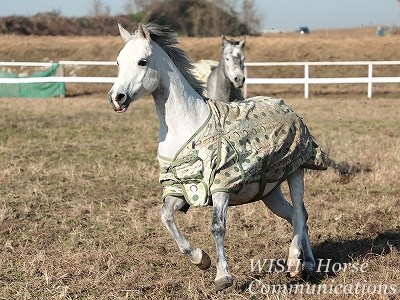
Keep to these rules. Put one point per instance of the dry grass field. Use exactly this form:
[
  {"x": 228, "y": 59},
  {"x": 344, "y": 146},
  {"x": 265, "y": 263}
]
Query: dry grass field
[
  {"x": 80, "y": 198},
  {"x": 333, "y": 45}
]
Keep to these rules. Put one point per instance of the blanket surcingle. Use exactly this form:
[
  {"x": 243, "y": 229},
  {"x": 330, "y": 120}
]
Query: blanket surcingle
[{"x": 256, "y": 140}]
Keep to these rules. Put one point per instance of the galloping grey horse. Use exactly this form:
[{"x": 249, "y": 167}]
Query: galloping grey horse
[
  {"x": 226, "y": 80},
  {"x": 215, "y": 153}
]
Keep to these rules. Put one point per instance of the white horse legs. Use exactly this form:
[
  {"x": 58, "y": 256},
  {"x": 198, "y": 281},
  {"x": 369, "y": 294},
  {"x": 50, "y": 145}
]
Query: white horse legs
[
  {"x": 296, "y": 188},
  {"x": 297, "y": 216},
  {"x": 218, "y": 228},
  {"x": 196, "y": 255}
]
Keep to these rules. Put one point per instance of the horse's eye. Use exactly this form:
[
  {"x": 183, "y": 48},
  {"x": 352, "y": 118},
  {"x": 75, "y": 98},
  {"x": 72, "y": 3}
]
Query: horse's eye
[{"x": 142, "y": 62}]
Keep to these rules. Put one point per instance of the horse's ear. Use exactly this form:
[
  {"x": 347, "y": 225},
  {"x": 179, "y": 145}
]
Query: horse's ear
[
  {"x": 224, "y": 40},
  {"x": 126, "y": 36},
  {"x": 242, "y": 41},
  {"x": 143, "y": 31}
]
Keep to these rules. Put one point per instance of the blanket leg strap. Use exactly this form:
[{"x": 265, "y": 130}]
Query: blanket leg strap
[{"x": 260, "y": 193}]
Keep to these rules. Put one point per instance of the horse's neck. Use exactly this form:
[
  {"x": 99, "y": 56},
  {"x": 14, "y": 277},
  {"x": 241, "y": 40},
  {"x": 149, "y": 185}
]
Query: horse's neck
[
  {"x": 222, "y": 77},
  {"x": 181, "y": 111},
  {"x": 224, "y": 89}
]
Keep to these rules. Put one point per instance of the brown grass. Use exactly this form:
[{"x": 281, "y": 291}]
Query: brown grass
[{"x": 79, "y": 208}]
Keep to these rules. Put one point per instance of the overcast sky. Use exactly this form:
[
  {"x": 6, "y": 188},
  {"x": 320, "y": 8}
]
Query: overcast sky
[{"x": 276, "y": 14}]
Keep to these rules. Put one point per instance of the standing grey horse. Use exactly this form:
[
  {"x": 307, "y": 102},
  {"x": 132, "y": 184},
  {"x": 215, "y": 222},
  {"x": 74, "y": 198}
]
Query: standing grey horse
[
  {"x": 226, "y": 80},
  {"x": 214, "y": 153}
]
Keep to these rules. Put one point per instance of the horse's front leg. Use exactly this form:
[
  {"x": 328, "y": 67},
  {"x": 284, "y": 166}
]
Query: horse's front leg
[
  {"x": 197, "y": 256},
  {"x": 296, "y": 187},
  {"x": 220, "y": 206}
]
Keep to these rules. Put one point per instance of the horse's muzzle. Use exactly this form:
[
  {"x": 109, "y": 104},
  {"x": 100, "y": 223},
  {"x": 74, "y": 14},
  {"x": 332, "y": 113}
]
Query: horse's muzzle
[
  {"x": 118, "y": 102},
  {"x": 239, "y": 81}
]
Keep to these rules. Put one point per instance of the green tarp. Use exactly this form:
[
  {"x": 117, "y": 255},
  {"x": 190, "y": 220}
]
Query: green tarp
[{"x": 33, "y": 90}]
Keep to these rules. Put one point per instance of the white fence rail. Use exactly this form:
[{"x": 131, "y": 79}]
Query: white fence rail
[
  {"x": 369, "y": 79},
  {"x": 307, "y": 80},
  {"x": 58, "y": 79}
]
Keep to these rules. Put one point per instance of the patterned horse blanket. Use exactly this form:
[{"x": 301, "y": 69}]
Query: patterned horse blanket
[{"x": 256, "y": 140}]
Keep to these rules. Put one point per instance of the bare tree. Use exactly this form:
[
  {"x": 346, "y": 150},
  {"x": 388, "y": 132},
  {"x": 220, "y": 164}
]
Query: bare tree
[
  {"x": 98, "y": 8},
  {"x": 249, "y": 15},
  {"x": 133, "y": 6},
  {"x": 218, "y": 23}
]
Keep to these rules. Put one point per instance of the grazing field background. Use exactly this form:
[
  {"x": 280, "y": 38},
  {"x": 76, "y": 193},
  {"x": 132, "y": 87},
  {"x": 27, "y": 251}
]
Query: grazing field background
[
  {"x": 80, "y": 199},
  {"x": 331, "y": 45}
]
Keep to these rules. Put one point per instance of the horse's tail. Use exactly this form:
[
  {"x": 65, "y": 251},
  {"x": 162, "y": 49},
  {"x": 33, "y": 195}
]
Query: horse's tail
[
  {"x": 346, "y": 169},
  {"x": 203, "y": 68}
]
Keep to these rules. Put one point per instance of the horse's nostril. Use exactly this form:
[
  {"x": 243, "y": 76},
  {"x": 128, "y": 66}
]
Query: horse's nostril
[
  {"x": 120, "y": 97},
  {"x": 239, "y": 79}
]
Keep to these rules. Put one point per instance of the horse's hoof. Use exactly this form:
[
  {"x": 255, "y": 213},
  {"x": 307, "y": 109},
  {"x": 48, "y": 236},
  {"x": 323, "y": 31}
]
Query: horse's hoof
[
  {"x": 294, "y": 274},
  {"x": 308, "y": 276},
  {"x": 308, "y": 268},
  {"x": 223, "y": 283},
  {"x": 204, "y": 262},
  {"x": 295, "y": 269}
]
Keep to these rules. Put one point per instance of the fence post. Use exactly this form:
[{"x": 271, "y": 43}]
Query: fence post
[
  {"x": 370, "y": 80},
  {"x": 61, "y": 73},
  {"x": 306, "y": 84}
]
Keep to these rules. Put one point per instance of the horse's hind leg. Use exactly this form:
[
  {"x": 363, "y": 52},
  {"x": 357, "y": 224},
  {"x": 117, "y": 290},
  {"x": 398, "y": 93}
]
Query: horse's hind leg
[
  {"x": 196, "y": 255},
  {"x": 220, "y": 206},
  {"x": 278, "y": 204},
  {"x": 296, "y": 187}
]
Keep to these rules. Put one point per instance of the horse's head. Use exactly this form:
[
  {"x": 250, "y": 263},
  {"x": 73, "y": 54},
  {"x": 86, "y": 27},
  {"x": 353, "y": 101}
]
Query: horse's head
[
  {"x": 137, "y": 75},
  {"x": 233, "y": 56}
]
